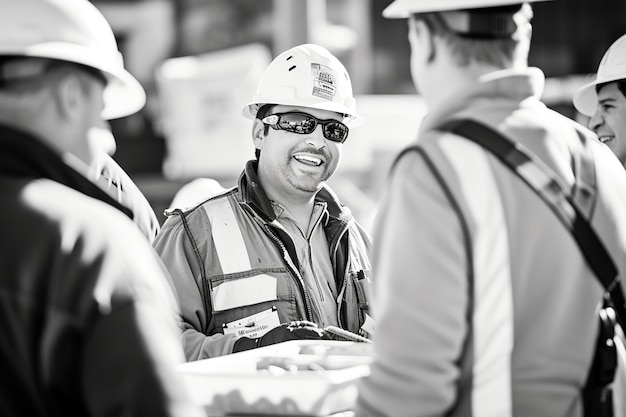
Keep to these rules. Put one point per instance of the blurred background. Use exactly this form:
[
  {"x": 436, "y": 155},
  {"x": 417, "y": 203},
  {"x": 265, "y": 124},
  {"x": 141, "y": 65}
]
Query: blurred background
[{"x": 200, "y": 60}]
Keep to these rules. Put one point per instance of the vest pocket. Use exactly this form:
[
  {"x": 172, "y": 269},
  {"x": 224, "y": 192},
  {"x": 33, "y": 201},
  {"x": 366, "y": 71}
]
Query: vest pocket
[
  {"x": 238, "y": 297},
  {"x": 244, "y": 292}
]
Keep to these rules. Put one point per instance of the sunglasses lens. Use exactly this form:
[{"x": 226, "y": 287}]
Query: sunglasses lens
[
  {"x": 335, "y": 131},
  {"x": 297, "y": 123},
  {"x": 304, "y": 124}
]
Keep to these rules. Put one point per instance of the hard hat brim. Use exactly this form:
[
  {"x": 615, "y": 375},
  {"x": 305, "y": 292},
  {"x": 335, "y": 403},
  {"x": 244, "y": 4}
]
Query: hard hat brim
[
  {"x": 585, "y": 99},
  {"x": 123, "y": 95},
  {"x": 249, "y": 110},
  {"x": 402, "y": 9}
]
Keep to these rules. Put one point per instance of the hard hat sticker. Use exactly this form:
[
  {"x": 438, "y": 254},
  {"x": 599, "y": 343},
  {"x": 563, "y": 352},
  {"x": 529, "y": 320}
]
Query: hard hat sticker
[{"x": 324, "y": 81}]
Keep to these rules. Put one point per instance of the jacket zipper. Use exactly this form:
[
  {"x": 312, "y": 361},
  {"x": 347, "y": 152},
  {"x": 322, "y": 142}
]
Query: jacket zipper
[{"x": 294, "y": 271}]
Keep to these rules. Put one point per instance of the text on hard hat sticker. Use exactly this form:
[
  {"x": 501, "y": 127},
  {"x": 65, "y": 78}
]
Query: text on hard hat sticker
[{"x": 324, "y": 81}]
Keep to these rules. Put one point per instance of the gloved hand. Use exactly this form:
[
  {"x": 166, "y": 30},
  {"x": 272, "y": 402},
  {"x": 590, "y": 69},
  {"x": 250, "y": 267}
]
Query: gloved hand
[{"x": 295, "y": 330}]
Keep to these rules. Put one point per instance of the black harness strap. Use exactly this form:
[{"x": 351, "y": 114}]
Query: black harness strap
[
  {"x": 546, "y": 184},
  {"x": 573, "y": 210}
]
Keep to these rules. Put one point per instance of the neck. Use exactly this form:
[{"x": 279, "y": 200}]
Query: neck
[
  {"x": 446, "y": 80},
  {"x": 42, "y": 122},
  {"x": 299, "y": 208}
]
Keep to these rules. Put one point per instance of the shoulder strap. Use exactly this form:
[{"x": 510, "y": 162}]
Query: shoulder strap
[{"x": 553, "y": 192}]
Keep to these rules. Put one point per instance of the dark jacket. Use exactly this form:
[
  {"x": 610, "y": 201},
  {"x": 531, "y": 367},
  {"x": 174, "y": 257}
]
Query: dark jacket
[{"x": 79, "y": 286}]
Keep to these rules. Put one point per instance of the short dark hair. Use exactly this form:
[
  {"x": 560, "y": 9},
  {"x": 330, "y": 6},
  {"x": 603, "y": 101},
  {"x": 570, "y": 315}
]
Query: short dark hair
[
  {"x": 487, "y": 50},
  {"x": 621, "y": 86},
  {"x": 263, "y": 111}
]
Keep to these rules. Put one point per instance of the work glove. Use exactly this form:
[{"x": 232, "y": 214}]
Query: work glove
[{"x": 295, "y": 330}]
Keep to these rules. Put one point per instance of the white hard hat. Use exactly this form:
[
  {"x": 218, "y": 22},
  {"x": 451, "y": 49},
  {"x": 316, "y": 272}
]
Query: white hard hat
[
  {"x": 306, "y": 76},
  {"x": 612, "y": 68},
  {"x": 402, "y": 9},
  {"x": 73, "y": 31}
]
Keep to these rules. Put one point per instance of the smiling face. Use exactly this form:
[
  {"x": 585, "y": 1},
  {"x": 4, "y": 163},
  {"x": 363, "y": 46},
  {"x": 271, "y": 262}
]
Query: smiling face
[
  {"x": 295, "y": 166},
  {"x": 609, "y": 120}
]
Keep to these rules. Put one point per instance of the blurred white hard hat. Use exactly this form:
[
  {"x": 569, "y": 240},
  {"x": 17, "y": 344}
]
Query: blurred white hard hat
[
  {"x": 612, "y": 68},
  {"x": 307, "y": 76},
  {"x": 402, "y": 9},
  {"x": 73, "y": 31}
]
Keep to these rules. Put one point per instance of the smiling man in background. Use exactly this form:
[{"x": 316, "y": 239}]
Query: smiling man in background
[
  {"x": 604, "y": 100},
  {"x": 278, "y": 257}
]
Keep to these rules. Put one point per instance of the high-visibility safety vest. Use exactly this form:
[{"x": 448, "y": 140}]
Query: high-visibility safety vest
[
  {"x": 485, "y": 305},
  {"x": 232, "y": 262}
]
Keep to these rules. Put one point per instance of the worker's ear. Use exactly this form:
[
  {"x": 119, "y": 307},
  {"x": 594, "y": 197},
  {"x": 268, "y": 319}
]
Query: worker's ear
[
  {"x": 421, "y": 39},
  {"x": 258, "y": 134},
  {"x": 70, "y": 96}
]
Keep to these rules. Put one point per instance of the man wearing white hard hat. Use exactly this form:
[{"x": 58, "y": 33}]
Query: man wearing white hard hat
[
  {"x": 485, "y": 305},
  {"x": 278, "y": 257},
  {"x": 604, "y": 100},
  {"x": 88, "y": 317}
]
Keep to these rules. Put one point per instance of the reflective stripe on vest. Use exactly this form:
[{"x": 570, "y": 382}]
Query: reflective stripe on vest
[
  {"x": 229, "y": 245},
  {"x": 493, "y": 297}
]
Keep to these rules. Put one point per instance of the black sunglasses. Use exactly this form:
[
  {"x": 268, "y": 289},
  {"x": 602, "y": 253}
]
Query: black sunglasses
[{"x": 304, "y": 124}]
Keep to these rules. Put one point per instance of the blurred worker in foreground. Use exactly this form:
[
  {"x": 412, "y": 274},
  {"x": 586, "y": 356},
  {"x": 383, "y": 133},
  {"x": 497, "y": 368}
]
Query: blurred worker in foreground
[
  {"x": 87, "y": 313},
  {"x": 485, "y": 305},
  {"x": 604, "y": 100},
  {"x": 278, "y": 257}
]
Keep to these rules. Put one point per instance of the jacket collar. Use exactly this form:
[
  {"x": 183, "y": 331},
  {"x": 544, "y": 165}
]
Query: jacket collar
[
  {"x": 24, "y": 156},
  {"x": 520, "y": 85},
  {"x": 253, "y": 194}
]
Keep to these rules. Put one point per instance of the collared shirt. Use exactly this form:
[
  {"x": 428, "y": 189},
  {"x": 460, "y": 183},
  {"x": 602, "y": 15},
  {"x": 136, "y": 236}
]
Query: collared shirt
[{"x": 314, "y": 258}]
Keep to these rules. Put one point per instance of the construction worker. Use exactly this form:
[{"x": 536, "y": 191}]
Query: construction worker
[
  {"x": 88, "y": 317},
  {"x": 277, "y": 257},
  {"x": 485, "y": 305},
  {"x": 604, "y": 99}
]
